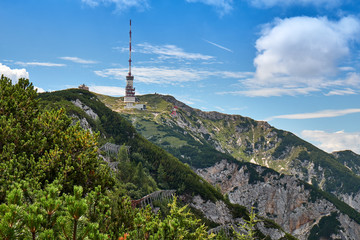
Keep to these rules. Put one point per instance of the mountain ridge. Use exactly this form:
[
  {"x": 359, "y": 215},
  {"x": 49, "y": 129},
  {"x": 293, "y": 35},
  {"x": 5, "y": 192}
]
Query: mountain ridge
[
  {"x": 243, "y": 139},
  {"x": 85, "y": 108},
  {"x": 185, "y": 132}
]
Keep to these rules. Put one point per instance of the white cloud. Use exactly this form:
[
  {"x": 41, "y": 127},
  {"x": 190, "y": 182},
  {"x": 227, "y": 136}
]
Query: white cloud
[
  {"x": 352, "y": 79},
  {"x": 222, "y": 6},
  {"x": 220, "y": 108},
  {"x": 304, "y": 47},
  {"x": 272, "y": 3},
  {"x": 319, "y": 114},
  {"x": 347, "y": 69},
  {"x": 108, "y": 90},
  {"x": 340, "y": 92},
  {"x": 336, "y": 141},
  {"x": 165, "y": 75},
  {"x": 41, "y": 64},
  {"x": 91, "y": 3},
  {"x": 228, "y": 74},
  {"x": 168, "y": 52},
  {"x": 186, "y": 101},
  {"x": 39, "y": 90},
  {"x": 219, "y": 46},
  {"x": 271, "y": 91},
  {"x": 13, "y": 74},
  {"x": 300, "y": 55},
  {"x": 120, "y": 5},
  {"x": 78, "y": 60},
  {"x": 346, "y": 86},
  {"x": 152, "y": 74}
]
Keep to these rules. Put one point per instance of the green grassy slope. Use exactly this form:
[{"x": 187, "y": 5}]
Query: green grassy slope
[
  {"x": 116, "y": 128},
  {"x": 203, "y": 138},
  {"x": 194, "y": 147},
  {"x": 349, "y": 159}
]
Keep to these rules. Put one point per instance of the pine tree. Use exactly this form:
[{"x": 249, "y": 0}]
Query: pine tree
[
  {"x": 162, "y": 177},
  {"x": 43, "y": 146}
]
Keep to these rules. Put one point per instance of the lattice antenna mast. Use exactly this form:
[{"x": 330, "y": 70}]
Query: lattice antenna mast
[{"x": 130, "y": 51}]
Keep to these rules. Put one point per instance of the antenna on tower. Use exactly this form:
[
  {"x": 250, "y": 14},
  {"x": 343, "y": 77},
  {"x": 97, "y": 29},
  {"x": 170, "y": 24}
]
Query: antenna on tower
[{"x": 130, "y": 51}]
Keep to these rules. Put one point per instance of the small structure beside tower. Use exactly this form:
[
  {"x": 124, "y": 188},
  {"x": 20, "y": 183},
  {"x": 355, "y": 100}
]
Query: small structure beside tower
[
  {"x": 84, "y": 87},
  {"x": 129, "y": 98}
]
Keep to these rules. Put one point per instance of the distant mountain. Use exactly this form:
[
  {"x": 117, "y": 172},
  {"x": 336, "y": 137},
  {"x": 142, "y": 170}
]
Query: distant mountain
[
  {"x": 349, "y": 159},
  {"x": 92, "y": 114},
  {"x": 168, "y": 172},
  {"x": 220, "y": 149},
  {"x": 202, "y": 138}
]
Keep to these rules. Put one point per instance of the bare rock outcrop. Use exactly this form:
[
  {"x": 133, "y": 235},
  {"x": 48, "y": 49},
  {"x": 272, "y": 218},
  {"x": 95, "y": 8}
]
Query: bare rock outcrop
[
  {"x": 86, "y": 109},
  {"x": 284, "y": 199}
]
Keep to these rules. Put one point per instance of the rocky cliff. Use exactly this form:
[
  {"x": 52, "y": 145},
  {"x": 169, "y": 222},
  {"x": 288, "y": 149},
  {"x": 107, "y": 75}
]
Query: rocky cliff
[
  {"x": 349, "y": 159},
  {"x": 158, "y": 166},
  {"x": 284, "y": 199},
  {"x": 190, "y": 134},
  {"x": 203, "y": 139}
]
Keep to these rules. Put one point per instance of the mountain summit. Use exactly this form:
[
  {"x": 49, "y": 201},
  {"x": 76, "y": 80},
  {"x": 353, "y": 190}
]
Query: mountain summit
[
  {"x": 203, "y": 138},
  {"x": 227, "y": 151}
]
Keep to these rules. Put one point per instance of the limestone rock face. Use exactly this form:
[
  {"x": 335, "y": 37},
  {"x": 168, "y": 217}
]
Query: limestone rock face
[
  {"x": 216, "y": 212},
  {"x": 220, "y": 214},
  {"x": 283, "y": 199},
  {"x": 350, "y": 228},
  {"x": 83, "y": 122},
  {"x": 258, "y": 142},
  {"x": 353, "y": 200},
  {"x": 202, "y": 139},
  {"x": 86, "y": 109}
]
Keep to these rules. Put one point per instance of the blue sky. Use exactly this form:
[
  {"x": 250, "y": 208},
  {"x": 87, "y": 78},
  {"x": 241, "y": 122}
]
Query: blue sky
[{"x": 293, "y": 63}]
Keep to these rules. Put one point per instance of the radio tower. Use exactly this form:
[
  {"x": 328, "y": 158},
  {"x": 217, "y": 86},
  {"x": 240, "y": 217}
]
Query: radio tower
[{"x": 129, "y": 98}]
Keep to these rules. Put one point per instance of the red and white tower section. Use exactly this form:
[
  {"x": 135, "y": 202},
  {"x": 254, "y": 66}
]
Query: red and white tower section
[{"x": 129, "y": 98}]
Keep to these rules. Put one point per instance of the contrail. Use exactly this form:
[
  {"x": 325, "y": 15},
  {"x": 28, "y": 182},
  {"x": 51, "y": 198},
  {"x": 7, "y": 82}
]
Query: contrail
[{"x": 219, "y": 46}]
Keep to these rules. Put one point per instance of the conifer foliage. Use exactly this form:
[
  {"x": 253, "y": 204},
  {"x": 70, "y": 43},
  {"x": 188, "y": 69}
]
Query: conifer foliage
[
  {"x": 53, "y": 185},
  {"x": 43, "y": 146}
]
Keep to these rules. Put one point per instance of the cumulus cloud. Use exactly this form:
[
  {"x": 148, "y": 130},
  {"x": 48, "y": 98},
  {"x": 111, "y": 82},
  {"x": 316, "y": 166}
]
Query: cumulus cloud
[
  {"x": 222, "y": 6},
  {"x": 78, "y": 60},
  {"x": 300, "y": 55},
  {"x": 335, "y": 141},
  {"x": 304, "y": 47},
  {"x": 165, "y": 75},
  {"x": 319, "y": 114},
  {"x": 39, "y": 89},
  {"x": 13, "y": 74},
  {"x": 120, "y": 5},
  {"x": 272, "y": 3}
]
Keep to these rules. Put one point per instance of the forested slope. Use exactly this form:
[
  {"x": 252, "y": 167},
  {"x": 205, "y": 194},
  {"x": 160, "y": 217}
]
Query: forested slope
[
  {"x": 201, "y": 138},
  {"x": 55, "y": 186}
]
